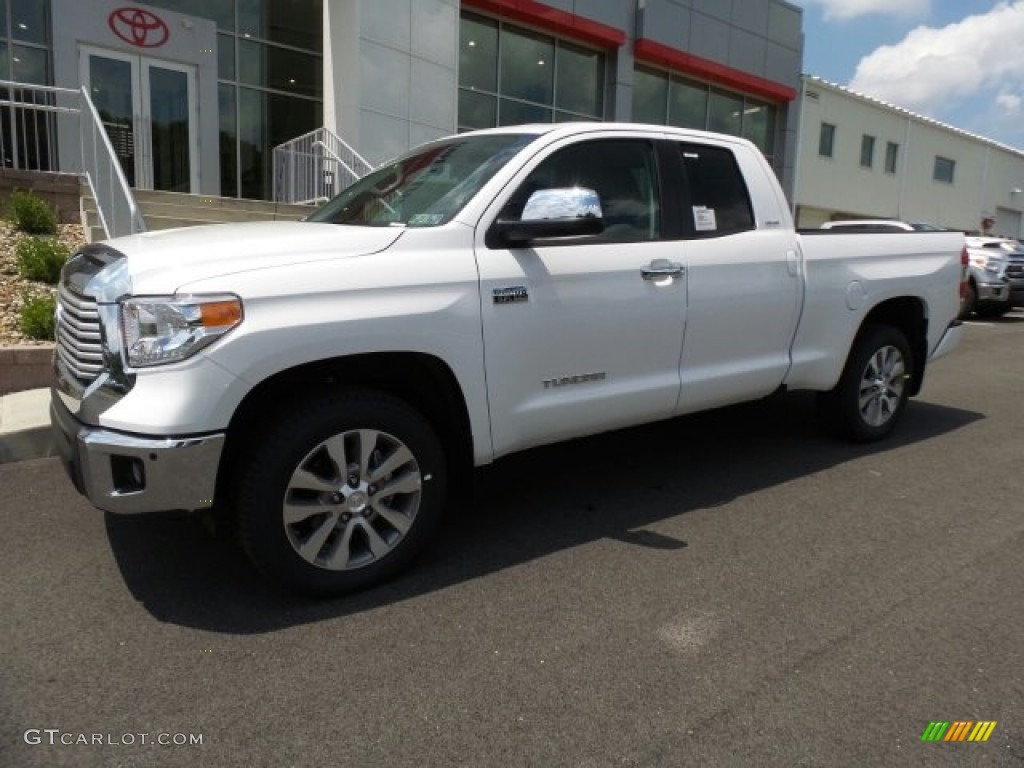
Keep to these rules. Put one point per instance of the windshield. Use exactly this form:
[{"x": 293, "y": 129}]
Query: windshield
[{"x": 425, "y": 188}]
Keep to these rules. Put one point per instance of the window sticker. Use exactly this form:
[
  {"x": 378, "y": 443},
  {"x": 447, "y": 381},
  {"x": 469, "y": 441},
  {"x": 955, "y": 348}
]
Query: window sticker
[
  {"x": 426, "y": 219},
  {"x": 704, "y": 219}
]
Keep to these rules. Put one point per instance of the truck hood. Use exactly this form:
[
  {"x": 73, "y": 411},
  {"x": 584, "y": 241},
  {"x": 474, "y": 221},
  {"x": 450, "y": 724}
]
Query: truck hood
[{"x": 160, "y": 262}]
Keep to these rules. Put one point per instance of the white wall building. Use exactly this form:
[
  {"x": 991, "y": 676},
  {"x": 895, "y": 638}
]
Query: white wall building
[{"x": 862, "y": 158}]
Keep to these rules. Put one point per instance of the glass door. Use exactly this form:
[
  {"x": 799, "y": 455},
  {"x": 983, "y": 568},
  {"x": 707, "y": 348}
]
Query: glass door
[
  {"x": 169, "y": 125},
  {"x": 112, "y": 82},
  {"x": 148, "y": 109}
]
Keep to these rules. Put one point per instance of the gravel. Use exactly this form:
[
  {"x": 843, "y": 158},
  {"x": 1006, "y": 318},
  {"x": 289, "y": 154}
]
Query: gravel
[{"x": 14, "y": 288}]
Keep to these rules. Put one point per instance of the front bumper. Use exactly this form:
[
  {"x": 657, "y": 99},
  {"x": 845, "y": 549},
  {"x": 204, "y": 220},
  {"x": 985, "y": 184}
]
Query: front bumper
[
  {"x": 130, "y": 474},
  {"x": 993, "y": 293},
  {"x": 1017, "y": 293}
]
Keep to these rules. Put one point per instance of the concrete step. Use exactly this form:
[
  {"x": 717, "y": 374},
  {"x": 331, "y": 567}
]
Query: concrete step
[
  {"x": 183, "y": 220},
  {"x": 201, "y": 212},
  {"x": 145, "y": 197},
  {"x": 168, "y": 210}
]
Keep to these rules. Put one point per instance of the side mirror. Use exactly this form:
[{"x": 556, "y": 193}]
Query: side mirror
[{"x": 551, "y": 213}]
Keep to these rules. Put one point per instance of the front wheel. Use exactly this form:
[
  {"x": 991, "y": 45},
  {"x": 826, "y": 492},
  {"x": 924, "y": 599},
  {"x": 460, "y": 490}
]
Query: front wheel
[
  {"x": 341, "y": 493},
  {"x": 873, "y": 389}
]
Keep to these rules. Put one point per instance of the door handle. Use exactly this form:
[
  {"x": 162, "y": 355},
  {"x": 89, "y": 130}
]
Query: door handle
[{"x": 662, "y": 268}]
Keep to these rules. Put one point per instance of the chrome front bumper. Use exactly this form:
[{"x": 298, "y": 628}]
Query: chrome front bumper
[{"x": 131, "y": 474}]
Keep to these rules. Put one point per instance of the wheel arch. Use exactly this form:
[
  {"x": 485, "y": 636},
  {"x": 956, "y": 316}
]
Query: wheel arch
[
  {"x": 423, "y": 381},
  {"x": 906, "y": 313}
]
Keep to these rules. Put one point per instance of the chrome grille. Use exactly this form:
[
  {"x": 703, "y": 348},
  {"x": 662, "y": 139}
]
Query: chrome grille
[
  {"x": 1015, "y": 266},
  {"x": 79, "y": 345}
]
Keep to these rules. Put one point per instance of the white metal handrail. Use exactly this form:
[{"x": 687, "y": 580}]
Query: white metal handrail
[
  {"x": 28, "y": 129},
  {"x": 315, "y": 166},
  {"x": 118, "y": 211}
]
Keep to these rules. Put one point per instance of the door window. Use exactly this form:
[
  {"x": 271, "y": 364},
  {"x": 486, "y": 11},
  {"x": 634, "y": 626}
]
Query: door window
[
  {"x": 718, "y": 201},
  {"x": 621, "y": 171}
]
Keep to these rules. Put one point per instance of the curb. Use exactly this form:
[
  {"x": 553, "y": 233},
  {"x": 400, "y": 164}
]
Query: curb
[
  {"x": 25, "y": 367},
  {"x": 25, "y": 426}
]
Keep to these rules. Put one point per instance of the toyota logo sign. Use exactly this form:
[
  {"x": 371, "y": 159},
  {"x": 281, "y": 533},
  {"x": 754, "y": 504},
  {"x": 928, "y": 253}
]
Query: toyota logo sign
[{"x": 138, "y": 27}]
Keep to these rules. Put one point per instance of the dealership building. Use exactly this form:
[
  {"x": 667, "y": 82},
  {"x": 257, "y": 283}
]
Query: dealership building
[
  {"x": 863, "y": 158},
  {"x": 195, "y": 94}
]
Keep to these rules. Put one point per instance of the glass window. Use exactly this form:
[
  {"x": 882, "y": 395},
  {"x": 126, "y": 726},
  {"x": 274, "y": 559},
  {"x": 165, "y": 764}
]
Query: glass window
[
  {"x": 718, "y": 198},
  {"x": 250, "y": 63},
  {"x": 478, "y": 55},
  {"x": 687, "y": 105},
  {"x": 621, "y": 171},
  {"x": 891, "y": 157},
  {"x": 29, "y": 65},
  {"x": 944, "y": 169},
  {"x": 537, "y": 78},
  {"x": 226, "y": 57},
  {"x": 28, "y": 21},
  {"x": 580, "y": 83},
  {"x": 867, "y": 151},
  {"x": 759, "y": 126},
  {"x": 650, "y": 97},
  {"x": 512, "y": 112},
  {"x": 228, "y": 140},
  {"x": 253, "y": 157},
  {"x": 477, "y": 110},
  {"x": 527, "y": 66},
  {"x": 290, "y": 22},
  {"x": 725, "y": 113},
  {"x": 220, "y": 11},
  {"x": 826, "y": 140},
  {"x": 425, "y": 188},
  {"x": 3, "y": 22}
]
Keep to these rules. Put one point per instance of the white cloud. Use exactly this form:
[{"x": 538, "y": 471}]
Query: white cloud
[
  {"x": 1010, "y": 102},
  {"x": 935, "y": 70},
  {"x": 843, "y": 10}
]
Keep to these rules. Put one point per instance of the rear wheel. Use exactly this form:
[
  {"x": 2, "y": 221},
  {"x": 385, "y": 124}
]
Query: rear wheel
[
  {"x": 341, "y": 493},
  {"x": 873, "y": 389}
]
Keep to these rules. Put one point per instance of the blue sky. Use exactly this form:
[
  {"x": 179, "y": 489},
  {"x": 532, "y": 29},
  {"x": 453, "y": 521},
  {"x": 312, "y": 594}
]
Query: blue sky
[{"x": 959, "y": 61}]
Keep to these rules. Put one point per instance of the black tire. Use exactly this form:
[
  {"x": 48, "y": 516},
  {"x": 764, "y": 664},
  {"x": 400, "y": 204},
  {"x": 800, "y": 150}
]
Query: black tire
[
  {"x": 324, "y": 529},
  {"x": 872, "y": 392},
  {"x": 969, "y": 301}
]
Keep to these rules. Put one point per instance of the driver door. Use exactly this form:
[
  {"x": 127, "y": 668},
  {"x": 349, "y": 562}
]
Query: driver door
[{"x": 580, "y": 335}]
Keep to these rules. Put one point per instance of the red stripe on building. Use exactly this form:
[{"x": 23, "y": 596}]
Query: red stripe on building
[
  {"x": 686, "y": 63},
  {"x": 555, "y": 21}
]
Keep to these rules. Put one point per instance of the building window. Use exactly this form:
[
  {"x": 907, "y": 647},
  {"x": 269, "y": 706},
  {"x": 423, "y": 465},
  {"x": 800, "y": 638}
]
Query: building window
[
  {"x": 270, "y": 82},
  {"x": 867, "y": 151},
  {"x": 28, "y": 137},
  {"x": 944, "y": 169},
  {"x": 826, "y": 140},
  {"x": 892, "y": 153},
  {"x": 661, "y": 98},
  {"x": 509, "y": 75}
]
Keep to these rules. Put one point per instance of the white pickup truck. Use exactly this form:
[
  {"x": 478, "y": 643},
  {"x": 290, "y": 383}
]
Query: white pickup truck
[{"x": 329, "y": 381}]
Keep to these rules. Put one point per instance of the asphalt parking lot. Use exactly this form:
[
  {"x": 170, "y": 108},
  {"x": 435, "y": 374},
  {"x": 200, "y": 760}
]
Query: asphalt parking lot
[{"x": 730, "y": 589}]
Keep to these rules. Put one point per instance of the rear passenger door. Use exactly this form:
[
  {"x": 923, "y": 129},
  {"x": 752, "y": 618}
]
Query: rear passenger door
[{"x": 743, "y": 278}]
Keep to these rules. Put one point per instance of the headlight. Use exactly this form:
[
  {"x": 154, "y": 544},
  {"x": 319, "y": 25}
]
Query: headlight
[
  {"x": 166, "y": 329},
  {"x": 994, "y": 264}
]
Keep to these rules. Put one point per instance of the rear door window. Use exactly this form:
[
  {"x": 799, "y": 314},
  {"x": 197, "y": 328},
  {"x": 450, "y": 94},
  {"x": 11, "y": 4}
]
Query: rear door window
[{"x": 717, "y": 201}]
